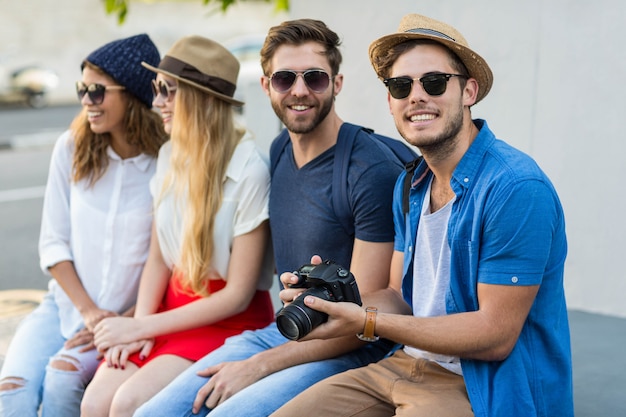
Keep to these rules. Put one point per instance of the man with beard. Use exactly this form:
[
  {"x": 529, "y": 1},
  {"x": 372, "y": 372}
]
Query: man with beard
[
  {"x": 255, "y": 373},
  {"x": 480, "y": 255}
]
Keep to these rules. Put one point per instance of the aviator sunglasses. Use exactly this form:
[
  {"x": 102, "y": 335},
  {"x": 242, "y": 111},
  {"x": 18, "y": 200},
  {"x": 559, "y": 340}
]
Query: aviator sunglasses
[
  {"x": 434, "y": 84},
  {"x": 316, "y": 80},
  {"x": 161, "y": 87},
  {"x": 94, "y": 91}
]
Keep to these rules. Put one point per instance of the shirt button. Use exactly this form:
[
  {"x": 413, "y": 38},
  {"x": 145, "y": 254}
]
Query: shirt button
[
  {"x": 514, "y": 280},
  {"x": 466, "y": 180}
]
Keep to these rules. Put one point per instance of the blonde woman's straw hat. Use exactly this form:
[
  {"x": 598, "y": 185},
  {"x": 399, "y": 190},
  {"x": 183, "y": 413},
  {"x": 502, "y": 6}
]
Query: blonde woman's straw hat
[{"x": 204, "y": 64}]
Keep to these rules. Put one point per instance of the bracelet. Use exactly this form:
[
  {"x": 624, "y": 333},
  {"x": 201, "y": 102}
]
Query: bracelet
[{"x": 370, "y": 325}]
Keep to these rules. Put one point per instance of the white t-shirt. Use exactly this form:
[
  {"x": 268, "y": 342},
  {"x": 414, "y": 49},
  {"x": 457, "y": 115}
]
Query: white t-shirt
[
  {"x": 103, "y": 229},
  {"x": 244, "y": 208},
  {"x": 431, "y": 275}
]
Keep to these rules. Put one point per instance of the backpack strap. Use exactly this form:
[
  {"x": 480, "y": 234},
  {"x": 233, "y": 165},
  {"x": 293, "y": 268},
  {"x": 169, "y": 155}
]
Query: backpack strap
[
  {"x": 343, "y": 150},
  {"x": 410, "y": 170},
  {"x": 276, "y": 149},
  {"x": 398, "y": 148},
  {"x": 341, "y": 162}
]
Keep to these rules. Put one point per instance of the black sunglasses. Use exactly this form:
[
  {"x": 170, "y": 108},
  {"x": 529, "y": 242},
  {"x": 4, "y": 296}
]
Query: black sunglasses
[
  {"x": 161, "y": 87},
  {"x": 94, "y": 91},
  {"x": 316, "y": 80},
  {"x": 434, "y": 84}
]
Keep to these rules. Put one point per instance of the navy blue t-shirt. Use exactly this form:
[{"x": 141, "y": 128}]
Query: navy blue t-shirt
[{"x": 302, "y": 219}]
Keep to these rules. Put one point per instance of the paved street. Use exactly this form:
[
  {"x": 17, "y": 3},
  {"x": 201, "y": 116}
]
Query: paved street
[{"x": 26, "y": 138}]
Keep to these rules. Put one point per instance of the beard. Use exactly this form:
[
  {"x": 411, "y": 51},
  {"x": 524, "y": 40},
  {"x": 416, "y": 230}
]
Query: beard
[
  {"x": 440, "y": 144},
  {"x": 304, "y": 125}
]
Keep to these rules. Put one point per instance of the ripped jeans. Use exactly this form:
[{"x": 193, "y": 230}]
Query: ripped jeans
[{"x": 36, "y": 344}]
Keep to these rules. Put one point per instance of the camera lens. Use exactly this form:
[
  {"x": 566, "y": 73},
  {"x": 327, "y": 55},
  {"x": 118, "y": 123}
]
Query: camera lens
[
  {"x": 297, "y": 320},
  {"x": 293, "y": 322}
]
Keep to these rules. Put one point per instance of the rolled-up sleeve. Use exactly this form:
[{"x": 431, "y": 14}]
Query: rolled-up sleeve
[{"x": 55, "y": 233}]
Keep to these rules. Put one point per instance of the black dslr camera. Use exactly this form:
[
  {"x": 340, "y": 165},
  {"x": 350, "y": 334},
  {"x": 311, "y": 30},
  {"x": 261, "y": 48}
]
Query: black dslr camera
[{"x": 327, "y": 281}]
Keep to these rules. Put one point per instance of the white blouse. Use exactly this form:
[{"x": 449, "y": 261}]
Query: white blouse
[
  {"x": 103, "y": 229},
  {"x": 244, "y": 208}
]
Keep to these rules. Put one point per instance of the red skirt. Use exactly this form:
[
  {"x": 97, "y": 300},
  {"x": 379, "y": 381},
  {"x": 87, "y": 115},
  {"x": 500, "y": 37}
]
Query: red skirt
[{"x": 194, "y": 344}]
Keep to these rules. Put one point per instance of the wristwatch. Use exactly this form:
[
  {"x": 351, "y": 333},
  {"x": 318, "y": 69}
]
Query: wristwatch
[{"x": 370, "y": 325}]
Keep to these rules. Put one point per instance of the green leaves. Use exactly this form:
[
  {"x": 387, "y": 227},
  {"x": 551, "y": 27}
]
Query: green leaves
[
  {"x": 120, "y": 7},
  {"x": 225, "y": 3},
  {"x": 281, "y": 5}
]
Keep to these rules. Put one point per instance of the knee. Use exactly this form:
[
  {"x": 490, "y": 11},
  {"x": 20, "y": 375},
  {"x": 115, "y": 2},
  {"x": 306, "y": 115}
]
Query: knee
[
  {"x": 11, "y": 383},
  {"x": 64, "y": 363},
  {"x": 124, "y": 403},
  {"x": 92, "y": 409},
  {"x": 93, "y": 404}
]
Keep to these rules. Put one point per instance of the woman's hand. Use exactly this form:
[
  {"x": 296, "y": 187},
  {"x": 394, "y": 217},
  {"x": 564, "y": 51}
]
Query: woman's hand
[
  {"x": 113, "y": 331},
  {"x": 117, "y": 356}
]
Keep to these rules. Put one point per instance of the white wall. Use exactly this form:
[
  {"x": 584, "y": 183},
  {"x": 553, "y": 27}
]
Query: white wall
[{"x": 558, "y": 95}]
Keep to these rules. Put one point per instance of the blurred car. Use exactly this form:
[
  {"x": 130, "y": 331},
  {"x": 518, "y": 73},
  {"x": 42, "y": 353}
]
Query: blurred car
[{"x": 29, "y": 84}]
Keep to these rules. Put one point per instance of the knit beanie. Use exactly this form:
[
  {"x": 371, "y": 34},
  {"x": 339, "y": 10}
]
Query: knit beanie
[{"x": 121, "y": 59}]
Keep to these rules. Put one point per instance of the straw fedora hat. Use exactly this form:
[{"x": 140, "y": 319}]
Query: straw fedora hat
[
  {"x": 204, "y": 64},
  {"x": 415, "y": 26}
]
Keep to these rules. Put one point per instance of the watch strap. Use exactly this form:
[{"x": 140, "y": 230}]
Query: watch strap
[{"x": 370, "y": 326}]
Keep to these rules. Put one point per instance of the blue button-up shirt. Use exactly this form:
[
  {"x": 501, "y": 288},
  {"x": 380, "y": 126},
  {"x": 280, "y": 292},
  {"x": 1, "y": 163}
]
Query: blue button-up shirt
[{"x": 506, "y": 228}]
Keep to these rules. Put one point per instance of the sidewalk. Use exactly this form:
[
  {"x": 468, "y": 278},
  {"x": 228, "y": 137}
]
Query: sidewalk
[{"x": 597, "y": 350}]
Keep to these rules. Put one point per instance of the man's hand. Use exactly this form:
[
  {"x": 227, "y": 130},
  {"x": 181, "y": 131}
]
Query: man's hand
[
  {"x": 82, "y": 337},
  {"x": 92, "y": 317},
  {"x": 227, "y": 379},
  {"x": 343, "y": 319},
  {"x": 288, "y": 294}
]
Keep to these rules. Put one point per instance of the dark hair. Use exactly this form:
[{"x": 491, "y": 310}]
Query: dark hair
[
  {"x": 298, "y": 32},
  {"x": 386, "y": 61}
]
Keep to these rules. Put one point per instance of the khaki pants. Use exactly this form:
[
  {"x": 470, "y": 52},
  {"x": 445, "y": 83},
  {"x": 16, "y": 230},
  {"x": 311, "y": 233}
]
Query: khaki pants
[{"x": 396, "y": 386}]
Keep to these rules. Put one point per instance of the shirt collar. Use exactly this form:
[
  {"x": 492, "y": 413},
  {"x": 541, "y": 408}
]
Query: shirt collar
[
  {"x": 142, "y": 161},
  {"x": 466, "y": 171}
]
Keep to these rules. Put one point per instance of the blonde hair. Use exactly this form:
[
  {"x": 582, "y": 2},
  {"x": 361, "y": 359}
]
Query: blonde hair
[
  {"x": 144, "y": 129},
  {"x": 204, "y": 138}
]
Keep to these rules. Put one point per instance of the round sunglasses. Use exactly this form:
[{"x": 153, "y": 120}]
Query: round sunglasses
[
  {"x": 434, "y": 84},
  {"x": 95, "y": 92},
  {"x": 316, "y": 80},
  {"x": 164, "y": 89}
]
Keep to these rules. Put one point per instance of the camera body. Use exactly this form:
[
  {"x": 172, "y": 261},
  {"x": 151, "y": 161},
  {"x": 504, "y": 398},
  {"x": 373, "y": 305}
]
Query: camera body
[{"x": 328, "y": 281}]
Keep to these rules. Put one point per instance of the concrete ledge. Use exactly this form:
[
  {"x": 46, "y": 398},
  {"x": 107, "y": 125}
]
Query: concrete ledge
[
  {"x": 14, "y": 305},
  {"x": 19, "y": 302}
]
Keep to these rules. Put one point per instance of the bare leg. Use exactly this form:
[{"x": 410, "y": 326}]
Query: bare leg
[
  {"x": 99, "y": 393},
  {"x": 145, "y": 383}
]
